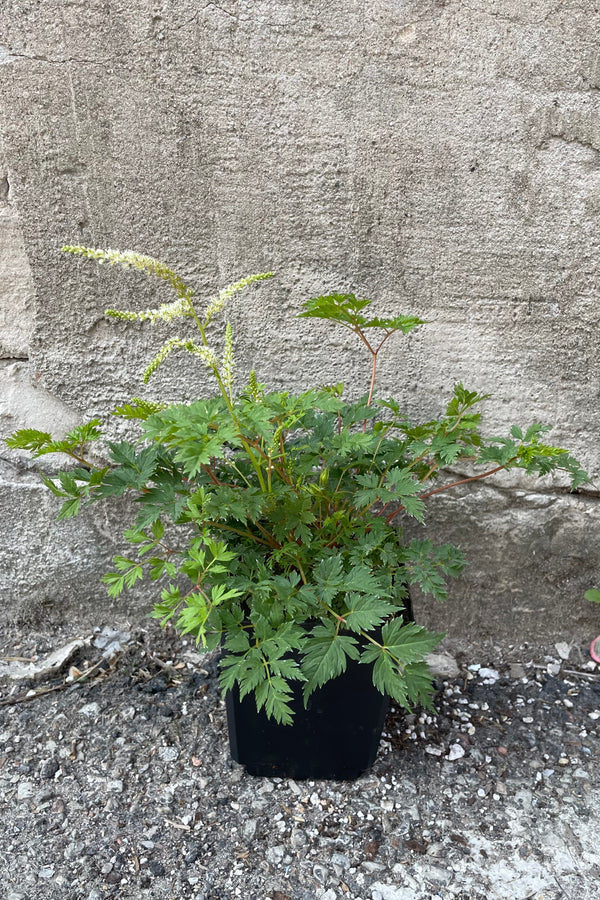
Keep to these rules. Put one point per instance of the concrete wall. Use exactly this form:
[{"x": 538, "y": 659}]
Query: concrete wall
[{"x": 441, "y": 156}]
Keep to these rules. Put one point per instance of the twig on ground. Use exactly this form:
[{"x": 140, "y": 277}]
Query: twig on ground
[
  {"x": 32, "y": 695},
  {"x": 28, "y": 659}
]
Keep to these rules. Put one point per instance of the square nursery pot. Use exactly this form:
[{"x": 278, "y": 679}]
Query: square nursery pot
[{"x": 336, "y": 737}]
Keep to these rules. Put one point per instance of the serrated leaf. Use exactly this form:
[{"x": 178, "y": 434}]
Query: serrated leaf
[
  {"x": 29, "y": 439},
  {"x": 363, "y": 613},
  {"x": 408, "y": 642},
  {"x": 133, "y": 575},
  {"x": 69, "y": 509},
  {"x": 326, "y": 656},
  {"x": 115, "y": 583}
]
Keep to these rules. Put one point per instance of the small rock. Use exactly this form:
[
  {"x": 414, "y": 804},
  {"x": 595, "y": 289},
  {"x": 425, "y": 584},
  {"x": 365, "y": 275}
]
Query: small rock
[
  {"x": 433, "y": 751},
  {"x": 340, "y": 860},
  {"x": 74, "y": 850},
  {"x": 563, "y": 649},
  {"x": 267, "y": 788},
  {"x": 489, "y": 676},
  {"x": 192, "y": 855},
  {"x": 321, "y": 874},
  {"x": 58, "y": 807},
  {"x": 156, "y": 867},
  {"x": 168, "y": 754},
  {"x": 298, "y": 839},
  {"x": 438, "y": 875},
  {"x": 111, "y": 641},
  {"x": 25, "y": 790},
  {"x": 456, "y": 751},
  {"x": 46, "y": 872},
  {"x": 442, "y": 665},
  {"x": 369, "y": 866},
  {"x": 115, "y": 786},
  {"x": 48, "y": 768},
  {"x": 91, "y": 710},
  {"x": 517, "y": 671},
  {"x": 275, "y": 854}
]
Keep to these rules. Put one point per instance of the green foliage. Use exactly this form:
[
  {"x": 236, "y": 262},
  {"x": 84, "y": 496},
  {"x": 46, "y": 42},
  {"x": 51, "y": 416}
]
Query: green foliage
[
  {"x": 137, "y": 409},
  {"x": 346, "y": 310},
  {"x": 593, "y": 595},
  {"x": 268, "y": 520},
  {"x": 39, "y": 443}
]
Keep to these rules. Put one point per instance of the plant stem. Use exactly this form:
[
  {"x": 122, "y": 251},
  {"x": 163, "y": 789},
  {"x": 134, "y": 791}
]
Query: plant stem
[
  {"x": 447, "y": 487},
  {"x": 466, "y": 480}
]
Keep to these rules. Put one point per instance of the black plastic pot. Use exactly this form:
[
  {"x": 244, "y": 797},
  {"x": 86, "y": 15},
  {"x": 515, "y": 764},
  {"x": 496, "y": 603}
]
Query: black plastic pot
[{"x": 335, "y": 737}]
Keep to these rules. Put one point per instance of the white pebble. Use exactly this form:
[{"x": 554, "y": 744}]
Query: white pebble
[
  {"x": 489, "y": 675},
  {"x": 456, "y": 751},
  {"x": 25, "y": 790},
  {"x": 168, "y": 754},
  {"x": 433, "y": 751}
]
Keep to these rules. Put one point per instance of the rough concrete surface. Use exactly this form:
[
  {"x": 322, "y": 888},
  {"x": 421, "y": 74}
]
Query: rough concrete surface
[
  {"x": 123, "y": 786},
  {"x": 440, "y": 156}
]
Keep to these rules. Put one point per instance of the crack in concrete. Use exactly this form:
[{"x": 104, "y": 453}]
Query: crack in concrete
[
  {"x": 553, "y": 493},
  {"x": 582, "y": 142},
  {"x": 516, "y": 19},
  {"x": 8, "y": 56}
]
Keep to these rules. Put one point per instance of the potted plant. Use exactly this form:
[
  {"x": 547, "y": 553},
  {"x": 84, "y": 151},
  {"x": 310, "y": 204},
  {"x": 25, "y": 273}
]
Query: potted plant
[{"x": 270, "y": 522}]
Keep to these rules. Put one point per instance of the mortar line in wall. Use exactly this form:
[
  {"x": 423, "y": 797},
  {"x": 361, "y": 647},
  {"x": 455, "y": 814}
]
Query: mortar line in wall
[{"x": 558, "y": 491}]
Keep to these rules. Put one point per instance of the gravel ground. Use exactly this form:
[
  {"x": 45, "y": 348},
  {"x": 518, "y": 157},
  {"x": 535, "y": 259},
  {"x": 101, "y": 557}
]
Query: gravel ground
[{"x": 120, "y": 785}]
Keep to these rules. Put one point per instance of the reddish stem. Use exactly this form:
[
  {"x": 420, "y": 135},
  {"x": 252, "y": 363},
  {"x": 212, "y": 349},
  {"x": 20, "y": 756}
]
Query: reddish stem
[{"x": 447, "y": 487}]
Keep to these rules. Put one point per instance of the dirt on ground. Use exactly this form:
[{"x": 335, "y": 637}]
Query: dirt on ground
[{"x": 116, "y": 781}]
